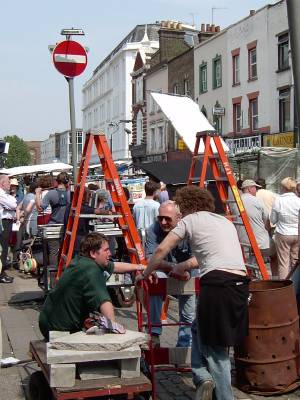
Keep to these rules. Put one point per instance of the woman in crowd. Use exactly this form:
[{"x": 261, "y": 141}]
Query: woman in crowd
[
  {"x": 30, "y": 210},
  {"x": 46, "y": 183},
  {"x": 284, "y": 215}
]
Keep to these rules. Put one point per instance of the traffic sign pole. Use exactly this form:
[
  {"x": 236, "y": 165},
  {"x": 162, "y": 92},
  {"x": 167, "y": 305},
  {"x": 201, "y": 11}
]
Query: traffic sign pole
[
  {"x": 70, "y": 59},
  {"x": 73, "y": 127}
]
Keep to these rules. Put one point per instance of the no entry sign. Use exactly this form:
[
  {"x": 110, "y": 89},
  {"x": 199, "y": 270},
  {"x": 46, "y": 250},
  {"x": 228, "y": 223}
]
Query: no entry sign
[{"x": 69, "y": 58}]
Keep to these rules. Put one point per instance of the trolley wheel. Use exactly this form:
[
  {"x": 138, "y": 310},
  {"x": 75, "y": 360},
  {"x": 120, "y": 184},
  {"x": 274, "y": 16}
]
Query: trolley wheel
[
  {"x": 118, "y": 299},
  {"x": 39, "y": 388}
]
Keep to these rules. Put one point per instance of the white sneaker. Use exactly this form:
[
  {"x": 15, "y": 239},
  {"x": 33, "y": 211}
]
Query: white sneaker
[{"x": 205, "y": 390}]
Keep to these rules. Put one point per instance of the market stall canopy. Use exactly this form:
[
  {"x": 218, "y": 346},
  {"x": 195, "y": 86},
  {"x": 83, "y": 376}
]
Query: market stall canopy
[
  {"x": 186, "y": 118},
  {"x": 33, "y": 169}
]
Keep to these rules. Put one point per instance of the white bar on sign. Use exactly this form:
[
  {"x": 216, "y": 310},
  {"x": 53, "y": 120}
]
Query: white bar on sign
[{"x": 70, "y": 58}]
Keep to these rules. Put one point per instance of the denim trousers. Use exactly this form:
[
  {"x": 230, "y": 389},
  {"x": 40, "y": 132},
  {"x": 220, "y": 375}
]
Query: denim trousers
[
  {"x": 186, "y": 305},
  {"x": 211, "y": 363}
]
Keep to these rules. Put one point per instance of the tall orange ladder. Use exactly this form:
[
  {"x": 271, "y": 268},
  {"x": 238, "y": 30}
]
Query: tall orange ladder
[
  {"x": 216, "y": 158},
  {"x": 113, "y": 184}
]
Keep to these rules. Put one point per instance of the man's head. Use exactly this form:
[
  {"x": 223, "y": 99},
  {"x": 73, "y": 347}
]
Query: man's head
[
  {"x": 168, "y": 215},
  {"x": 192, "y": 199},
  {"x": 288, "y": 185},
  {"x": 151, "y": 187},
  {"x": 95, "y": 246},
  {"x": 63, "y": 178},
  {"x": 250, "y": 186},
  {"x": 5, "y": 183},
  {"x": 261, "y": 182}
]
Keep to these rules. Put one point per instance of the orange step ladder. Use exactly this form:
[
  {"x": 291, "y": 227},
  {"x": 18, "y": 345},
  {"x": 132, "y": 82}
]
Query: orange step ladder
[
  {"x": 215, "y": 157},
  {"x": 113, "y": 184}
]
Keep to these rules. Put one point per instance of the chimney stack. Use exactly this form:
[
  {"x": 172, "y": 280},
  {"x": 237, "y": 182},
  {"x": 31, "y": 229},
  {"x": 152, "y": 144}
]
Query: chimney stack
[{"x": 207, "y": 31}]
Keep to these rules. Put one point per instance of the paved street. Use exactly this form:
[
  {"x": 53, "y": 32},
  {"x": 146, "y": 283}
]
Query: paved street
[{"x": 19, "y": 326}]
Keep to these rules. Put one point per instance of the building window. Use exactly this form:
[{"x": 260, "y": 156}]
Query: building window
[
  {"x": 139, "y": 128},
  {"x": 217, "y": 72},
  {"x": 203, "y": 78},
  {"x": 160, "y": 138},
  {"x": 253, "y": 114},
  {"x": 283, "y": 52},
  {"x": 236, "y": 69},
  {"x": 152, "y": 138},
  {"x": 237, "y": 118},
  {"x": 252, "y": 63},
  {"x": 284, "y": 110},
  {"x": 186, "y": 87},
  {"x": 152, "y": 105}
]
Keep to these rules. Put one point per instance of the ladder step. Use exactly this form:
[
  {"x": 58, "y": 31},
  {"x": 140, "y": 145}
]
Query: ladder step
[
  {"x": 63, "y": 256},
  {"x": 117, "y": 203},
  {"x": 245, "y": 244},
  {"x": 214, "y": 157},
  {"x": 124, "y": 227},
  {"x": 238, "y": 223},
  {"x": 109, "y": 180},
  {"x": 228, "y": 201},
  {"x": 252, "y": 266},
  {"x": 221, "y": 179},
  {"x": 132, "y": 250}
]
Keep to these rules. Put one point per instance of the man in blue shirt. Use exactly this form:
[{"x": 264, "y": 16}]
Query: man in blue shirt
[{"x": 168, "y": 216}]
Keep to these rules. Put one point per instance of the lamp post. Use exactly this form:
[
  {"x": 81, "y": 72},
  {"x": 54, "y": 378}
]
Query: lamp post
[{"x": 116, "y": 125}]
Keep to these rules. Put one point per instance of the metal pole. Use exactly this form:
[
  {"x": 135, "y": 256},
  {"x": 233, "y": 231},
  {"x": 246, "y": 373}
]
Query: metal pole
[
  {"x": 73, "y": 127},
  {"x": 293, "y": 10}
]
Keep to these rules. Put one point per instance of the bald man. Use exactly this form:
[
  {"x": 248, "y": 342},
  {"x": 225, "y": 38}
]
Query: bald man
[{"x": 167, "y": 219}]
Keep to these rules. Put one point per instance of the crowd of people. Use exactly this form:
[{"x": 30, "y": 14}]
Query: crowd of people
[
  {"x": 184, "y": 237},
  {"x": 42, "y": 200}
]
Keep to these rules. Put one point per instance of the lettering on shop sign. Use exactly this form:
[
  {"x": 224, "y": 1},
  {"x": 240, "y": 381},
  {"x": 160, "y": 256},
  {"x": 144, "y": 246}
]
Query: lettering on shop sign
[
  {"x": 242, "y": 145},
  {"x": 279, "y": 140}
]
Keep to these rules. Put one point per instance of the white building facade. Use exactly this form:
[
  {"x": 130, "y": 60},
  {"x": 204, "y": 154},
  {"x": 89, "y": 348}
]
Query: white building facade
[
  {"x": 107, "y": 95},
  {"x": 243, "y": 77},
  {"x": 156, "y": 81},
  {"x": 48, "y": 150},
  {"x": 58, "y": 147},
  {"x": 64, "y": 149}
]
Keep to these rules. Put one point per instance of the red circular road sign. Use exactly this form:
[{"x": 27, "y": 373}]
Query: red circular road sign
[{"x": 69, "y": 58}]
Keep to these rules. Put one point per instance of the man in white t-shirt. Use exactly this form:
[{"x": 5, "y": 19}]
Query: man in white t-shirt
[
  {"x": 222, "y": 313},
  {"x": 145, "y": 210}
]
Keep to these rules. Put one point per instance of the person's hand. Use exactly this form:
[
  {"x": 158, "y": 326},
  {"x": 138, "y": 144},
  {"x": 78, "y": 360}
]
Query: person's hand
[
  {"x": 179, "y": 273},
  {"x": 152, "y": 278}
]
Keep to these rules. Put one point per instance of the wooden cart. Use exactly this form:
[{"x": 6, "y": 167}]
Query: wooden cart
[{"x": 108, "y": 388}]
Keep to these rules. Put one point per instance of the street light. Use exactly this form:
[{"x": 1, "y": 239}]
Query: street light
[{"x": 116, "y": 125}]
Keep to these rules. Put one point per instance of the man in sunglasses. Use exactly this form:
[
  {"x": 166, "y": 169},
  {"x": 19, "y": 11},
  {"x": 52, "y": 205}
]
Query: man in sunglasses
[{"x": 167, "y": 219}]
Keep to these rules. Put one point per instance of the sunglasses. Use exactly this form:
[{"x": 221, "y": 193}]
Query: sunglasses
[{"x": 162, "y": 217}]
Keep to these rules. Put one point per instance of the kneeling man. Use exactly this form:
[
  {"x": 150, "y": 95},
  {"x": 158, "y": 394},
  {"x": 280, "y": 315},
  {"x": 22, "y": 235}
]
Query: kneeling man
[{"x": 82, "y": 288}]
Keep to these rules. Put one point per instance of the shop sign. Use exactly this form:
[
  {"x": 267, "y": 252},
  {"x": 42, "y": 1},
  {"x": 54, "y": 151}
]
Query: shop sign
[
  {"x": 244, "y": 144},
  {"x": 219, "y": 110},
  {"x": 181, "y": 145},
  {"x": 285, "y": 139}
]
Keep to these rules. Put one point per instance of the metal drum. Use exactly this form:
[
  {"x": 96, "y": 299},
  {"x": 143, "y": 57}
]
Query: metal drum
[{"x": 268, "y": 360}]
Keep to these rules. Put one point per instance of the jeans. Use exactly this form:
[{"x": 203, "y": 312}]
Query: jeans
[
  {"x": 211, "y": 363},
  {"x": 186, "y": 305}
]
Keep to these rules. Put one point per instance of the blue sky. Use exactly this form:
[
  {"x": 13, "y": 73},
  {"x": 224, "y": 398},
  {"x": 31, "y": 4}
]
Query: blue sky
[{"x": 34, "y": 96}]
